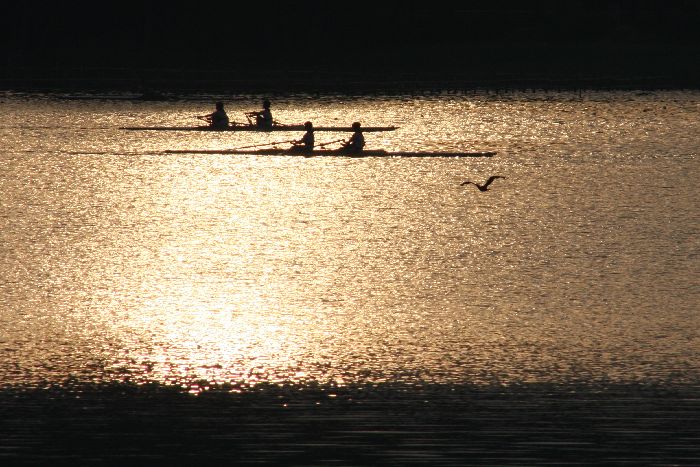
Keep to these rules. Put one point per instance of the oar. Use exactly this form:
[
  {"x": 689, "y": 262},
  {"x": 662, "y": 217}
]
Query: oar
[
  {"x": 278, "y": 123},
  {"x": 321, "y": 145},
  {"x": 265, "y": 144}
]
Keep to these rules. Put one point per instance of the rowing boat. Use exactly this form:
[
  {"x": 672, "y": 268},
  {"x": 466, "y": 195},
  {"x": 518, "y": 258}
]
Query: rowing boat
[
  {"x": 333, "y": 152},
  {"x": 367, "y": 129}
]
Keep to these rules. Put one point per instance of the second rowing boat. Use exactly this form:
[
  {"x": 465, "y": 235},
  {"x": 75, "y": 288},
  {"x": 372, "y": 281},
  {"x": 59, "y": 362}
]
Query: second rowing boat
[{"x": 333, "y": 152}]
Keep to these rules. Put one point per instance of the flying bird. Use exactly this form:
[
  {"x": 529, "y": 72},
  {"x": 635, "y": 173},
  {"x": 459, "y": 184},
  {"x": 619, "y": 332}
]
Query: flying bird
[{"x": 485, "y": 186}]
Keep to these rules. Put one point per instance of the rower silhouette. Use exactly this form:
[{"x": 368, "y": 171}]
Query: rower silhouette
[
  {"x": 356, "y": 143},
  {"x": 263, "y": 118},
  {"x": 306, "y": 143},
  {"x": 485, "y": 186},
  {"x": 218, "y": 118}
]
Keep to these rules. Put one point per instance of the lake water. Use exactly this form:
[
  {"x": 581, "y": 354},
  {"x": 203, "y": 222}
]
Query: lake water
[{"x": 119, "y": 262}]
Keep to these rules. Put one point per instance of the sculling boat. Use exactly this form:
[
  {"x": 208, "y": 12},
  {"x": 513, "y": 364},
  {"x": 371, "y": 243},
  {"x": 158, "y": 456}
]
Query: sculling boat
[
  {"x": 333, "y": 152},
  {"x": 243, "y": 127}
]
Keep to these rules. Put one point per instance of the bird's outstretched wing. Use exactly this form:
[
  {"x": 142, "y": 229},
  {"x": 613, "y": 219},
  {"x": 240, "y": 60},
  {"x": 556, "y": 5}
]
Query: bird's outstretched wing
[
  {"x": 466, "y": 182},
  {"x": 491, "y": 179}
]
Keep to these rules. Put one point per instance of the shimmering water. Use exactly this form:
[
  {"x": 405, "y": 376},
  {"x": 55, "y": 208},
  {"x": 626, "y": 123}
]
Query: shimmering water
[{"x": 119, "y": 262}]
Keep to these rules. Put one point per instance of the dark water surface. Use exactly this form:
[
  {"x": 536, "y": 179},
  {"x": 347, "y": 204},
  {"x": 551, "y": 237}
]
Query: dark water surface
[
  {"x": 371, "y": 425},
  {"x": 352, "y": 311}
]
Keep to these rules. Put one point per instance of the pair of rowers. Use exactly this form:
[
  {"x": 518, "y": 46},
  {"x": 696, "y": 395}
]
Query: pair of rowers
[
  {"x": 219, "y": 119},
  {"x": 354, "y": 145}
]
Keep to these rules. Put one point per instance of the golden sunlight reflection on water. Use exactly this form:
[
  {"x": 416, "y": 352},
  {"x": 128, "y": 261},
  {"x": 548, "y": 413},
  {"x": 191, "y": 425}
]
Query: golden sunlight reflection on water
[{"x": 122, "y": 262}]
